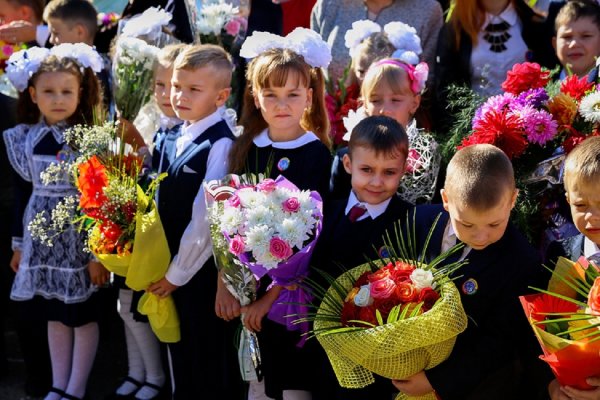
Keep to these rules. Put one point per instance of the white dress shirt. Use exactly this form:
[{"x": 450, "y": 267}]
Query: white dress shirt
[
  {"x": 488, "y": 68},
  {"x": 195, "y": 247},
  {"x": 590, "y": 248},
  {"x": 450, "y": 239},
  {"x": 373, "y": 210}
]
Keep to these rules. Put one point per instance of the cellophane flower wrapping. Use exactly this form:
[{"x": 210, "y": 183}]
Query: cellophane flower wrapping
[
  {"x": 132, "y": 75},
  {"x": 272, "y": 228},
  {"x": 124, "y": 229},
  {"x": 568, "y": 330},
  {"x": 393, "y": 350},
  {"x": 238, "y": 279}
]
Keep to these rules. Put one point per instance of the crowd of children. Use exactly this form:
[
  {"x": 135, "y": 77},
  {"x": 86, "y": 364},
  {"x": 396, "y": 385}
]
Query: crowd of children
[{"x": 386, "y": 170}]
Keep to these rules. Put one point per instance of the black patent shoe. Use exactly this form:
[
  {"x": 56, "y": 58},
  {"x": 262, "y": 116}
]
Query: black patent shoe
[
  {"x": 162, "y": 391},
  {"x": 130, "y": 396}
]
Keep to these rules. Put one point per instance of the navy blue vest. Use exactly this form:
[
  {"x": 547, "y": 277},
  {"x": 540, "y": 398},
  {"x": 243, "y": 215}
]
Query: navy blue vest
[{"x": 185, "y": 175}]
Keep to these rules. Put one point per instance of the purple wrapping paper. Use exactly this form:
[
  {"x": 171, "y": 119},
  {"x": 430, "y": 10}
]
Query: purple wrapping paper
[{"x": 289, "y": 273}]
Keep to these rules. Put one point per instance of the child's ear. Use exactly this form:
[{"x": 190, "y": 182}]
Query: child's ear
[
  {"x": 309, "y": 94},
  {"x": 32, "y": 94},
  {"x": 513, "y": 200},
  {"x": 347, "y": 162},
  {"x": 415, "y": 104},
  {"x": 222, "y": 96},
  {"x": 81, "y": 32},
  {"x": 444, "y": 199}
]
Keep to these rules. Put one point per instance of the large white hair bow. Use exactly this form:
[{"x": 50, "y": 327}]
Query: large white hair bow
[
  {"x": 302, "y": 41},
  {"x": 403, "y": 37}
]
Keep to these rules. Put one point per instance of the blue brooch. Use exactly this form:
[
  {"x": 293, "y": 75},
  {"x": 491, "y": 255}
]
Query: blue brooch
[
  {"x": 283, "y": 164},
  {"x": 470, "y": 286},
  {"x": 384, "y": 252},
  {"x": 62, "y": 155}
]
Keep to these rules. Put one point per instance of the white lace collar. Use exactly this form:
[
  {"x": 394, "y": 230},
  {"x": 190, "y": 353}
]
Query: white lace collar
[
  {"x": 263, "y": 140},
  {"x": 56, "y": 129}
]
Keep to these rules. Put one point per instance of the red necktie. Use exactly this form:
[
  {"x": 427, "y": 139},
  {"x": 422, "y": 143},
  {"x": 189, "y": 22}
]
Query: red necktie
[{"x": 356, "y": 212}]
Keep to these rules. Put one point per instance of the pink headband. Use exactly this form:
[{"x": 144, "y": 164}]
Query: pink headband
[{"x": 417, "y": 75}]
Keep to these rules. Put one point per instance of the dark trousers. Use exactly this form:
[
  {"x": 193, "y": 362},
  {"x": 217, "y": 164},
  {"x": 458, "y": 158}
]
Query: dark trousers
[{"x": 204, "y": 362}]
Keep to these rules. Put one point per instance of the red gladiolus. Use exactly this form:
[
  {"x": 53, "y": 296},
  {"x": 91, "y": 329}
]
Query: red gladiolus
[{"x": 92, "y": 180}]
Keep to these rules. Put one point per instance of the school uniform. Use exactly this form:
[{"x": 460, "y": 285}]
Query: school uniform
[
  {"x": 490, "y": 357},
  {"x": 305, "y": 162},
  {"x": 189, "y": 154},
  {"x": 343, "y": 245}
]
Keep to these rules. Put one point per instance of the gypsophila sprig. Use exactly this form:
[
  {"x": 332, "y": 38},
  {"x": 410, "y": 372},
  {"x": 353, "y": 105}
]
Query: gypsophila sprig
[{"x": 45, "y": 229}]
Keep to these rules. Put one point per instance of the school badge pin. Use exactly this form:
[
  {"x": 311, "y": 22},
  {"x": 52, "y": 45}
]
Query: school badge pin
[{"x": 470, "y": 286}]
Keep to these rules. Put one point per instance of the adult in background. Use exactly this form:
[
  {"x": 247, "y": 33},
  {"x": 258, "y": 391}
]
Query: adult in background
[
  {"x": 332, "y": 18},
  {"x": 483, "y": 40}
]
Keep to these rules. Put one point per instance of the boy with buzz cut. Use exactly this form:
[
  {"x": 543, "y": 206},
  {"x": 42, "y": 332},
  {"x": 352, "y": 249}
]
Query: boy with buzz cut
[
  {"x": 582, "y": 186},
  {"x": 354, "y": 226},
  {"x": 577, "y": 37},
  {"x": 71, "y": 21},
  {"x": 195, "y": 151},
  {"x": 478, "y": 195}
]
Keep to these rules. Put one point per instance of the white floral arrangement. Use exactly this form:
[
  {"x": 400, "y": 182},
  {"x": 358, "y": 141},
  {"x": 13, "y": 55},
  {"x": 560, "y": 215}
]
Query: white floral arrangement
[
  {"x": 269, "y": 222},
  {"x": 303, "y": 41},
  {"x": 149, "y": 24},
  {"x": 23, "y": 64},
  {"x": 214, "y": 17},
  {"x": 133, "y": 71},
  {"x": 403, "y": 37}
]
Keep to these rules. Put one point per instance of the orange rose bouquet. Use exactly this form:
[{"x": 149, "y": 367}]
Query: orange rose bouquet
[
  {"x": 393, "y": 317},
  {"x": 566, "y": 321}
]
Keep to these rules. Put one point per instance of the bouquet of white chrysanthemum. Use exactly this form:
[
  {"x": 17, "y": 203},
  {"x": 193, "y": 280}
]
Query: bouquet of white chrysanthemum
[
  {"x": 221, "y": 24},
  {"x": 133, "y": 70}
]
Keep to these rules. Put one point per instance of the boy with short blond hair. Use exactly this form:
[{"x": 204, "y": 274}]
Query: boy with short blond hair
[
  {"x": 582, "y": 186},
  {"x": 196, "y": 151},
  {"x": 577, "y": 37},
  {"x": 71, "y": 21},
  {"x": 478, "y": 196}
]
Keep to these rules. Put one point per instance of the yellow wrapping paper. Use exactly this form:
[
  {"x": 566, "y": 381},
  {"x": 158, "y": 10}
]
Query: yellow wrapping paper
[
  {"x": 162, "y": 316},
  {"x": 394, "y": 351},
  {"x": 147, "y": 263}
]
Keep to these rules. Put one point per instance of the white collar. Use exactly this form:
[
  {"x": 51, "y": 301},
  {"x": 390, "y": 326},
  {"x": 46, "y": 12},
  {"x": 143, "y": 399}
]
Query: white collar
[
  {"x": 193, "y": 131},
  {"x": 509, "y": 15},
  {"x": 589, "y": 248},
  {"x": 451, "y": 239},
  {"x": 374, "y": 210},
  {"x": 168, "y": 122},
  {"x": 263, "y": 140}
]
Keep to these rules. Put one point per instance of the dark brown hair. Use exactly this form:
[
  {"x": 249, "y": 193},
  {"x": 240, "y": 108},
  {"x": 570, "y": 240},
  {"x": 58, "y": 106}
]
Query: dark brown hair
[
  {"x": 89, "y": 106},
  {"x": 271, "y": 69},
  {"x": 383, "y": 135}
]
